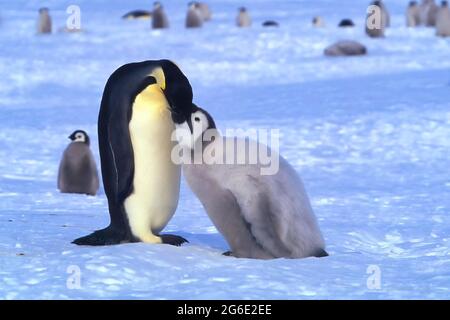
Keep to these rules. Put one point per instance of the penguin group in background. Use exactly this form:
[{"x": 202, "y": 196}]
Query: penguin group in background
[
  {"x": 194, "y": 17},
  {"x": 205, "y": 11},
  {"x": 318, "y": 22},
  {"x": 135, "y": 127},
  {"x": 260, "y": 216},
  {"x": 443, "y": 20},
  {"x": 44, "y": 25},
  {"x": 137, "y": 15},
  {"x": 345, "y": 48},
  {"x": 428, "y": 13},
  {"x": 159, "y": 17},
  {"x": 346, "y": 23},
  {"x": 413, "y": 15},
  {"x": 376, "y": 25},
  {"x": 243, "y": 19},
  {"x": 77, "y": 169}
]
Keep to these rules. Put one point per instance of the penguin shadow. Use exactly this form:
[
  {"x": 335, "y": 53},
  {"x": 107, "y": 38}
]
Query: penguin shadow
[{"x": 210, "y": 240}]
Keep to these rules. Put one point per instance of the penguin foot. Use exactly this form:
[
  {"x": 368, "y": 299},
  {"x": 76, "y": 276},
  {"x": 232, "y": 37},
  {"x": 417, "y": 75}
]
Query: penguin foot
[
  {"x": 228, "y": 254},
  {"x": 321, "y": 253},
  {"x": 104, "y": 237},
  {"x": 173, "y": 239}
]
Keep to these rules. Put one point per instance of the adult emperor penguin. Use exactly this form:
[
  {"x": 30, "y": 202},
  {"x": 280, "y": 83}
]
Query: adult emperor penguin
[
  {"x": 140, "y": 179},
  {"x": 376, "y": 20},
  {"x": 412, "y": 15},
  {"x": 44, "y": 25},
  {"x": 443, "y": 20},
  {"x": 193, "y": 17},
  {"x": 137, "y": 15},
  {"x": 260, "y": 216},
  {"x": 77, "y": 169},
  {"x": 243, "y": 19},
  {"x": 159, "y": 17}
]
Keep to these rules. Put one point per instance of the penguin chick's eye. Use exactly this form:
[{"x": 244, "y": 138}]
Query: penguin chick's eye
[{"x": 197, "y": 119}]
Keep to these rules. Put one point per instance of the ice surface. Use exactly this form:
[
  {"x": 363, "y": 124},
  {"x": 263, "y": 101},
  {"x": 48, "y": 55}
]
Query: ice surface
[{"x": 369, "y": 135}]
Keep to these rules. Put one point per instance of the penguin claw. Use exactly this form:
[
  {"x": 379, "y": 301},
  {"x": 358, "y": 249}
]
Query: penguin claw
[
  {"x": 173, "y": 240},
  {"x": 102, "y": 237},
  {"x": 228, "y": 254}
]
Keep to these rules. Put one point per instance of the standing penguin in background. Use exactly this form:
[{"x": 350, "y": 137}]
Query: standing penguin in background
[
  {"x": 159, "y": 17},
  {"x": 193, "y": 16},
  {"x": 243, "y": 19},
  {"x": 375, "y": 23},
  {"x": 77, "y": 169},
  {"x": 260, "y": 216},
  {"x": 141, "y": 181},
  {"x": 412, "y": 15},
  {"x": 428, "y": 13},
  {"x": 204, "y": 10},
  {"x": 386, "y": 17},
  {"x": 44, "y": 25},
  {"x": 443, "y": 20},
  {"x": 318, "y": 22}
]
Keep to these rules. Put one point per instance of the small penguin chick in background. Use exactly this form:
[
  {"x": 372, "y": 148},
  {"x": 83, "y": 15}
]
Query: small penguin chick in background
[
  {"x": 44, "y": 25},
  {"x": 443, "y": 20},
  {"x": 159, "y": 17},
  {"x": 194, "y": 17},
  {"x": 243, "y": 19},
  {"x": 77, "y": 169}
]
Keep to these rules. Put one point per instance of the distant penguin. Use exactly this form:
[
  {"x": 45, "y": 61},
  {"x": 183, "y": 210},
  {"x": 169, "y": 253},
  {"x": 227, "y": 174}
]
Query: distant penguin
[
  {"x": 243, "y": 19},
  {"x": 260, "y": 216},
  {"x": 137, "y": 14},
  {"x": 443, "y": 20},
  {"x": 345, "y": 48},
  {"x": 204, "y": 10},
  {"x": 44, "y": 25},
  {"x": 386, "y": 17},
  {"x": 428, "y": 13},
  {"x": 77, "y": 169},
  {"x": 159, "y": 17},
  {"x": 412, "y": 15},
  {"x": 375, "y": 25},
  {"x": 193, "y": 16},
  {"x": 318, "y": 22},
  {"x": 346, "y": 23},
  {"x": 270, "y": 23}
]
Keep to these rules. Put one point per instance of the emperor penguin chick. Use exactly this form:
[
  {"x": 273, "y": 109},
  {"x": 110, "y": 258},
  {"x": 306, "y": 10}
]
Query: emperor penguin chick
[
  {"x": 204, "y": 10},
  {"x": 376, "y": 20},
  {"x": 243, "y": 19},
  {"x": 44, "y": 25},
  {"x": 159, "y": 17},
  {"x": 428, "y": 13},
  {"x": 77, "y": 169},
  {"x": 413, "y": 15},
  {"x": 262, "y": 215},
  {"x": 193, "y": 17},
  {"x": 318, "y": 22},
  {"x": 443, "y": 20}
]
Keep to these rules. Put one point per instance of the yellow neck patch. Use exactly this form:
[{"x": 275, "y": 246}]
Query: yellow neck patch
[{"x": 158, "y": 74}]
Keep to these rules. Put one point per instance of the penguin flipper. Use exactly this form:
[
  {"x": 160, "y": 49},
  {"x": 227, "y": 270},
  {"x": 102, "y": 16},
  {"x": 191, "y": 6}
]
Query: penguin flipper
[
  {"x": 122, "y": 156},
  {"x": 173, "y": 239},
  {"x": 103, "y": 237}
]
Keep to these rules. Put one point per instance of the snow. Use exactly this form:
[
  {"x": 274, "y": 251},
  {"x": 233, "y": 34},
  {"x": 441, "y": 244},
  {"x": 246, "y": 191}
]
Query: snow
[{"x": 369, "y": 135}]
